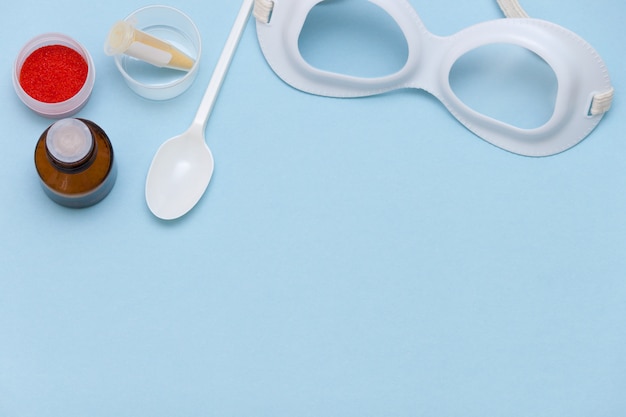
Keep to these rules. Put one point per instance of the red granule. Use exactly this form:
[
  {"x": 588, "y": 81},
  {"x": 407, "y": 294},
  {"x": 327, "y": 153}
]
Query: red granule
[{"x": 53, "y": 73}]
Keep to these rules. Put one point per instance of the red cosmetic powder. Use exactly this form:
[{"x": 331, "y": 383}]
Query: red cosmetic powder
[{"x": 53, "y": 73}]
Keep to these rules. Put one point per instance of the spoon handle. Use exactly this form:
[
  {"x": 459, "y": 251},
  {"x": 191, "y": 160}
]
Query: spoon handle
[{"x": 219, "y": 73}]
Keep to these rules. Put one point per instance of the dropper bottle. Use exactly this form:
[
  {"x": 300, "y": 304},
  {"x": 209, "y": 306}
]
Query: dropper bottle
[
  {"x": 124, "y": 38},
  {"x": 74, "y": 160}
]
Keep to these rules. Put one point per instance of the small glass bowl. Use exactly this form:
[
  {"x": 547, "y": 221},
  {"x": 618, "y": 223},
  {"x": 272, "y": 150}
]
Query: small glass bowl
[
  {"x": 61, "y": 109},
  {"x": 172, "y": 26}
]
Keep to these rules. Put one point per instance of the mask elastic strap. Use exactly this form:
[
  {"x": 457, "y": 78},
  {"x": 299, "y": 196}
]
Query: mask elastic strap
[
  {"x": 263, "y": 10},
  {"x": 512, "y": 9},
  {"x": 601, "y": 103}
]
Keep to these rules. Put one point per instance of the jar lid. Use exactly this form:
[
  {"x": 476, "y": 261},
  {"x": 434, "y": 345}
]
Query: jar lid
[{"x": 69, "y": 141}]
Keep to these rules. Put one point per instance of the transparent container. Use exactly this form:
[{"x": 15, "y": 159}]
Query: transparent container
[
  {"x": 59, "y": 109},
  {"x": 172, "y": 26}
]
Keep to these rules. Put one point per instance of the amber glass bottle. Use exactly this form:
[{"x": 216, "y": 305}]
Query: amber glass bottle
[{"x": 74, "y": 160}]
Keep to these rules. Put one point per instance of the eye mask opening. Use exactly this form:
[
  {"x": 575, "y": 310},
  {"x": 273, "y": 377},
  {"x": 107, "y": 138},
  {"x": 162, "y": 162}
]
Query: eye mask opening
[
  {"x": 352, "y": 37},
  {"x": 508, "y": 83}
]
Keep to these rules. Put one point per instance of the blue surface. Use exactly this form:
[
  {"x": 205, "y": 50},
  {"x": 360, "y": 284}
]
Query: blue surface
[{"x": 366, "y": 257}]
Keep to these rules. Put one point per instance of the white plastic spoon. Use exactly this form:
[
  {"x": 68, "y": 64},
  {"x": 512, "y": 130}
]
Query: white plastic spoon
[{"x": 182, "y": 167}]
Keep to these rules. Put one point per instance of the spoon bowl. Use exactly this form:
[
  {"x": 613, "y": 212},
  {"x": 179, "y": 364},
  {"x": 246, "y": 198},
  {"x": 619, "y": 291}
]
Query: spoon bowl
[
  {"x": 178, "y": 178},
  {"x": 183, "y": 165}
]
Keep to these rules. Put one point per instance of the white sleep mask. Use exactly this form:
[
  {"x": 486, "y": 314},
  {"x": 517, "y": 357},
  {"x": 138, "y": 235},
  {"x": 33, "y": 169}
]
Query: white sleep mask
[{"x": 584, "y": 91}]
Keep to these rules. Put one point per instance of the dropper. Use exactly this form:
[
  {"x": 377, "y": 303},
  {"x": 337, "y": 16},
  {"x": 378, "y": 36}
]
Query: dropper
[{"x": 124, "y": 38}]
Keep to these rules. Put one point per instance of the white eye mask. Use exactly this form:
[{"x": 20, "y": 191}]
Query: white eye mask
[{"x": 584, "y": 87}]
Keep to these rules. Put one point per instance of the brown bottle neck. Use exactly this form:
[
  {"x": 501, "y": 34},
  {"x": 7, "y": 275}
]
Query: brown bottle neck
[{"x": 76, "y": 166}]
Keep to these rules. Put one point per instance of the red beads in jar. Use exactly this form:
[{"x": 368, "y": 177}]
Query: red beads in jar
[{"x": 54, "y": 75}]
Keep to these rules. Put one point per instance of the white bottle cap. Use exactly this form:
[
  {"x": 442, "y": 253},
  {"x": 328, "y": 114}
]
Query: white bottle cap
[{"x": 69, "y": 140}]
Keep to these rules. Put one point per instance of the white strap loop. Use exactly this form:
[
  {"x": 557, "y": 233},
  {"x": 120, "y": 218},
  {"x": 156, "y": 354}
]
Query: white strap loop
[
  {"x": 512, "y": 9},
  {"x": 601, "y": 103},
  {"x": 263, "y": 10}
]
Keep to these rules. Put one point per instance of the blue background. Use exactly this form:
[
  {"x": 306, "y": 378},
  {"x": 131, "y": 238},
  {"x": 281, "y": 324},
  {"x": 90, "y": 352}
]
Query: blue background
[{"x": 362, "y": 257}]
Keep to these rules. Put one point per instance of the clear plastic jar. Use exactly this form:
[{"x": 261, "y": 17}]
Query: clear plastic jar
[
  {"x": 63, "y": 108},
  {"x": 175, "y": 27}
]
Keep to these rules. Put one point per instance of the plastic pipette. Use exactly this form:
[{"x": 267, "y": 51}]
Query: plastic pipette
[{"x": 124, "y": 38}]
